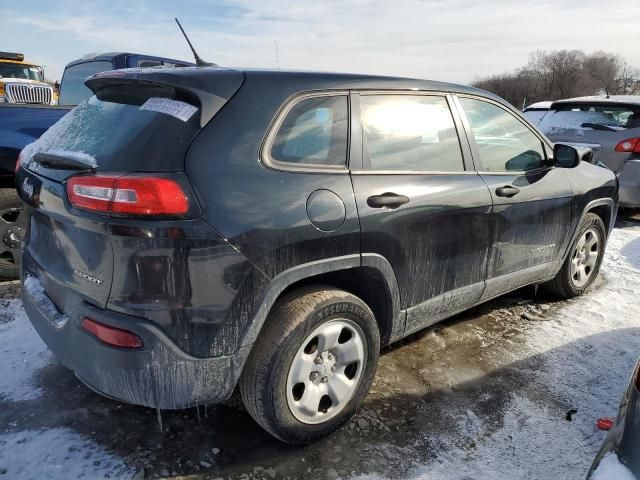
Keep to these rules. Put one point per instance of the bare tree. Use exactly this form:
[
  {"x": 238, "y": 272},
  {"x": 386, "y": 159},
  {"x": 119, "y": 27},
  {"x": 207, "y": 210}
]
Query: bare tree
[{"x": 563, "y": 74}]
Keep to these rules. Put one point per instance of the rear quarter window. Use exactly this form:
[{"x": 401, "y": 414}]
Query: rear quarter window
[{"x": 313, "y": 133}]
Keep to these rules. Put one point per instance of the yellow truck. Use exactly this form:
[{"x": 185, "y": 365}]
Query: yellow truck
[{"x": 23, "y": 82}]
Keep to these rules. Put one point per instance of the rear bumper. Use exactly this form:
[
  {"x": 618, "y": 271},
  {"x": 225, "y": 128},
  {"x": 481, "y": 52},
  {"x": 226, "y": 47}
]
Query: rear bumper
[
  {"x": 629, "y": 179},
  {"x": 158, "y": 375}
]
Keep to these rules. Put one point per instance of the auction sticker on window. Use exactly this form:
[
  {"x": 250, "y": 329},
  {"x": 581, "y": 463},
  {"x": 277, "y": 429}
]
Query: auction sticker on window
[{"x": 180, "y": 110}]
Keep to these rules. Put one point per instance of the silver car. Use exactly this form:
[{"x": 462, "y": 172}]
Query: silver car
[
  {"x": 536, "y": 111},
  {"x": 610, "y": 126}
]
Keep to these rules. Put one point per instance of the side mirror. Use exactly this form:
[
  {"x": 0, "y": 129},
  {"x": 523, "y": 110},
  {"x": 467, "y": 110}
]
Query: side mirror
[
  {"x": 565, "y": 156},
  {"x": 57, "y": 85}
]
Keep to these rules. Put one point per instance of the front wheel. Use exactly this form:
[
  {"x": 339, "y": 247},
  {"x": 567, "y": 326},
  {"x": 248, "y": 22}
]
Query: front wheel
[
  {"x": 582, "y": 265},
  {"x": 312, "y": 365}
]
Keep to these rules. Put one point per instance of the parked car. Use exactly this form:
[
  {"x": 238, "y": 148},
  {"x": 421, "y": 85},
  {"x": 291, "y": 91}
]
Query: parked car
[
  {"x": 536, "y": 111},
  {"x": 610, "y": 126},
  {"x": 623, "y": 441},
  {"x": 23, "y": 124},
  {"x": 195, "y": 229},
  {"x": 72, "y": 88}
]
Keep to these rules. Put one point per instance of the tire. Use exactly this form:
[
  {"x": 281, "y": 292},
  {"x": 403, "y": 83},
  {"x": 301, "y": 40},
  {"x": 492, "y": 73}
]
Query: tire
[
  {"x": 11, "y": 233},
  {"x": 569, "y": 283},
  {"x": 297, "y": 328}
]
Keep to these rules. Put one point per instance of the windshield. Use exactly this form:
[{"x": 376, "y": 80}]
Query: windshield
[
  {"x": 73, "y": 91},
  {"x": 21, "y": 70},
  {"x": 605, "y": 117}
]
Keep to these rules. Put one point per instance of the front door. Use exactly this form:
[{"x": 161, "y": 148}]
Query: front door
[
  {"x": 420, "y": 208},
  {"x": 532, "y": 211}
]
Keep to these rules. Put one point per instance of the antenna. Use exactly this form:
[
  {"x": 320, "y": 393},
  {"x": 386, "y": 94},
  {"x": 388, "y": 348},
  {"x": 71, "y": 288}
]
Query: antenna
[
  {"x": 277, "y": 57},
  {"x": 199, "y": 62}
]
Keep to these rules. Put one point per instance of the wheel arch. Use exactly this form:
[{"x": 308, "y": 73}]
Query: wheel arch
[
  {"x": 361, "y": 275},
  {"x": 605, "y": 208}
]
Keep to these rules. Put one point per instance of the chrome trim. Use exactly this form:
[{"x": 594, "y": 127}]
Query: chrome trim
[
  {"x": 413, "y": 172},
  {"x": 29, "y": 93}
]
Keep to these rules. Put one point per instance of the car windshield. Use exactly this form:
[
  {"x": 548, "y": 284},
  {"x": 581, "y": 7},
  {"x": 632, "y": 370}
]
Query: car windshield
[
  {"x": 73, "y": 91},
  {"x": 20, "y": 70},
  {"x": 595, "y": 117},
  {"x": 534, "y": 116}
]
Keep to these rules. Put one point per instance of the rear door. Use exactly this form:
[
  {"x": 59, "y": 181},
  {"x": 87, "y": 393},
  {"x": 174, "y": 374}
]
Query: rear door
[
  {"x": 532, "y": 202},
  {"x": 421, "y": 205}
]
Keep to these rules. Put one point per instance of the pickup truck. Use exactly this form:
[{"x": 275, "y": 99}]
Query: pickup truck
[{"x": 21, "y": 124}]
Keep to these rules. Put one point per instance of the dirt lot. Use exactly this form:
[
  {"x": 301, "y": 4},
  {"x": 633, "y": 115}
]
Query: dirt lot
[{"x": 510, "y": 389}]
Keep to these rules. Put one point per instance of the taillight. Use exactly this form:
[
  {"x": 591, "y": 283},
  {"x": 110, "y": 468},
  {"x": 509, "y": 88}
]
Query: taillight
[
  {"x": 127, "y": 195},
  {"x": 632, "y": 145},
  {"x": 112, "y": 335}
]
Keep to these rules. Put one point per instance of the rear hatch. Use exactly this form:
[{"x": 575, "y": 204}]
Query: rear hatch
[
  {"x": 600, "y": 126},
  {"x": 139, "y": 125}
]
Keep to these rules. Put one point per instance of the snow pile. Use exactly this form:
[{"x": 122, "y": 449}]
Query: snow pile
[
  {"x": 56, "y": 454},
  {"x": 610, "y": 468},
  {"x": 22, "y": 353},
  {"x": 35, "y": 290}
]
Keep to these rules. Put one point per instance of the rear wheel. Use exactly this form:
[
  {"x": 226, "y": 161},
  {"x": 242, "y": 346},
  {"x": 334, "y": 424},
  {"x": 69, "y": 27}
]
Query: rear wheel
[
  {"x": 582, "y": 265},
  {"x": 11, "y": 233},
  {"x": 312, "y": 365}
]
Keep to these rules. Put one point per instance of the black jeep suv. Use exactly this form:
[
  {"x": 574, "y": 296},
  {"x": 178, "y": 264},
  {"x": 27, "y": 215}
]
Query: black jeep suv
[{"x": 196, "y": 229}]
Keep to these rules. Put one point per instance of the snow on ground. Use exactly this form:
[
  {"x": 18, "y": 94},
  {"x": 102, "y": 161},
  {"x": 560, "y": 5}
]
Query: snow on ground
[
  {"x": 610, "y": 468},
  {"x": 56, "y": 454},
  {"x": 578, "y": 358},
  {"x": 22, "y": 353},
  {"x": 589, "y": 350}
]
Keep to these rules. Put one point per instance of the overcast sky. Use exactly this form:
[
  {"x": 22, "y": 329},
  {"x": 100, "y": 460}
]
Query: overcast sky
[{"x": 454, "y": 40}]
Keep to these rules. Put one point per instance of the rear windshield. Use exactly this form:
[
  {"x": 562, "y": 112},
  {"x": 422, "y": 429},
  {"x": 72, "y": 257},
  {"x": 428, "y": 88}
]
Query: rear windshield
[
  {"x": 593, "y": 117},
  {"x": 534, "y": 116},
  {"x": 125, "y": 128},
  {"x": 73, "y": 91}
]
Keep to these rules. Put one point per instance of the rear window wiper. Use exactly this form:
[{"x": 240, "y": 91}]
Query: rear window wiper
[
  {"x": 597, "y": 126},
  {"x": 60, "y": 162}
]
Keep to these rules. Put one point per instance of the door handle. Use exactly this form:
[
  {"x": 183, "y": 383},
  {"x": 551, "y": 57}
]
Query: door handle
[
  {"x": 507, "y": 191},
  {"x": 387, "y": 200}
]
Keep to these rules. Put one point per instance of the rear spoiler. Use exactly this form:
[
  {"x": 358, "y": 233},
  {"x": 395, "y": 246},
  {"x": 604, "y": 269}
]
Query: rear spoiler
[
  {"x": 586, "y": 103},
  {"x": 212, "y": 86}
]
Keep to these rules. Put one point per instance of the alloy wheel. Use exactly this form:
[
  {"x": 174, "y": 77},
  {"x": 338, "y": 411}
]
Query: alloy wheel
[{"x": 585, "y": 257}]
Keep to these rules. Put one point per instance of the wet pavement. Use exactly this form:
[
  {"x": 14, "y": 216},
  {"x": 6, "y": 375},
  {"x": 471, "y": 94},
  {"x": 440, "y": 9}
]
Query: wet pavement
[
  {"x": 430, "y": 392},
  {"x": 457, "y": 364}
]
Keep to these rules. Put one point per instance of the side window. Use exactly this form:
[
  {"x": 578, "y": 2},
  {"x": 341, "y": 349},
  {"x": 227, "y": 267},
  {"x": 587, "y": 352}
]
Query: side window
[
  {"x": 504, "y": 143},
  {"x": 314, "y": 132},
  {"x": 409, "y": 132}
]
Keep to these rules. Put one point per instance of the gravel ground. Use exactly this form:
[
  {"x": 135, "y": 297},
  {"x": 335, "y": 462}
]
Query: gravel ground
[{"x": 487, "y": 394}]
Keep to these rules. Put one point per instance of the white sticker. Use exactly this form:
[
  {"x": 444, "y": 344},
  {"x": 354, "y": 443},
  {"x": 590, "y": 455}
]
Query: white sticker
[{"x": 181, "y": 110}]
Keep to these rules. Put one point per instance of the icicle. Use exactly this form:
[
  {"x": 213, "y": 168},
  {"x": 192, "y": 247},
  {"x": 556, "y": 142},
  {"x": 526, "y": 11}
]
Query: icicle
[{"x": 159, "y": 419}]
